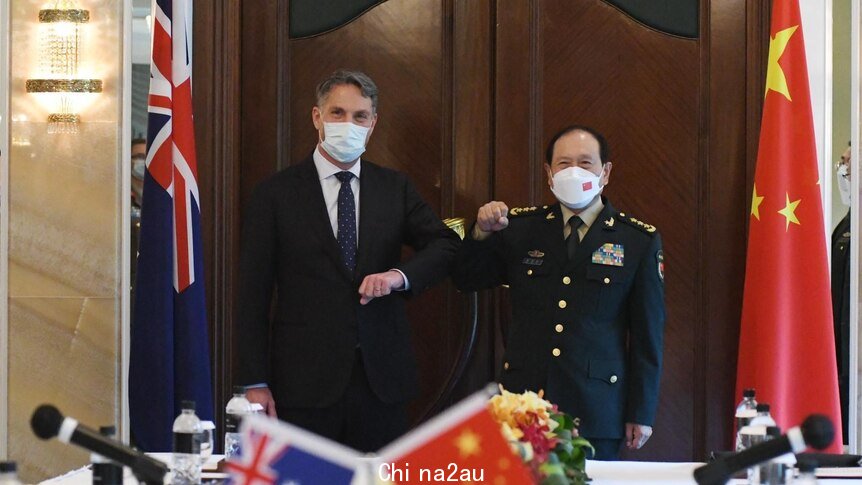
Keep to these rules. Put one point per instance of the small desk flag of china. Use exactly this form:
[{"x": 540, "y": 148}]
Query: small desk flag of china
[
  {"x": 464, "y": 443},
  {"x": 786, "y": 343}
]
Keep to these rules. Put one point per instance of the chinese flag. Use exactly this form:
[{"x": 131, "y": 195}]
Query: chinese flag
[
  {"x": 464, "y": 445},
  {"x": 786, "y": 343}
]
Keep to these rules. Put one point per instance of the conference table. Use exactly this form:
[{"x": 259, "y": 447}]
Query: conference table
[{"x": 602, "y": 473}]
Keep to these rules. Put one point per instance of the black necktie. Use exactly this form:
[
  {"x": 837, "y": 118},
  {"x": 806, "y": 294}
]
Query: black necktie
[
  {"x": 346, "y": 221},
  {"x": 573, "y": 240}
]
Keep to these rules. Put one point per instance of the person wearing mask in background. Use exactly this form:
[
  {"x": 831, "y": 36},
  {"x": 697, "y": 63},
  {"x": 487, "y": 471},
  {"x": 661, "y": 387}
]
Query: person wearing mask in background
[
  {"x": 139, "y": 166},
  {"x": 841, "y": 288},
  {"x": 587, "y": 293},
  {"x": 328, "y": 234}
]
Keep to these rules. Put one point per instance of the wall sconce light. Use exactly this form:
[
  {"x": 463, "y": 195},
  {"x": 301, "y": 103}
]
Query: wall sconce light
[{"x": 60, "y": 39}]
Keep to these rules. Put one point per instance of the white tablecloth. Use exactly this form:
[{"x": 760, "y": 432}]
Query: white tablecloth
[
  {"x": 602, "y": 473},
  {"x": 659, "y": 473}
]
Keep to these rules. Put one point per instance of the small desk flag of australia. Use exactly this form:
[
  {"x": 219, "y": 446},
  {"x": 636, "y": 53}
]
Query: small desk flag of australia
[{"x": 274, "y": 452}]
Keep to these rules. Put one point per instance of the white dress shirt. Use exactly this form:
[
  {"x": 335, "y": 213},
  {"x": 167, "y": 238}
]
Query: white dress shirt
[{"x": 330, "y": 185}]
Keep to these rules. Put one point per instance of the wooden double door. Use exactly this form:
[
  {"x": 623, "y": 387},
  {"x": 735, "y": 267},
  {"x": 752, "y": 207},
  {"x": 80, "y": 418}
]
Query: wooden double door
[{"x": 470, "y": 92}]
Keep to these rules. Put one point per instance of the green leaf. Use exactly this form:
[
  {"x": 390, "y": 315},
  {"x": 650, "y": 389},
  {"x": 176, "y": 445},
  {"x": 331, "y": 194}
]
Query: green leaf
[{"x": 556, "y": 480}]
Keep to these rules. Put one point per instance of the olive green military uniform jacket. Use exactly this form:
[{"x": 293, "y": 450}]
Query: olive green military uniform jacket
[{"x": 587, "y": 331}]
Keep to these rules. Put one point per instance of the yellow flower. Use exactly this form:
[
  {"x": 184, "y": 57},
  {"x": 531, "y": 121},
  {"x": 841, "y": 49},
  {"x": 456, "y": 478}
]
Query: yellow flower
[
  {"x": 511, "y": 434},
  {"x": 515, "y": 411}
]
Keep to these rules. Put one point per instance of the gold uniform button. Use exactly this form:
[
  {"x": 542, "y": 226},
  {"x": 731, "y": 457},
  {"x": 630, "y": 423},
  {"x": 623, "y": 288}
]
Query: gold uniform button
[
  {"x": 506, "y": 365},
  {"x": 529, "y": 272},
  {"x": 559, "y": 328},
  {"x": 562, "y": 303},
  {"x": 607, "y": 280},
  {"x": 613, "y": 379},
  {"x": 556, "y": 352},
  {"x": 566, "y": 280}
]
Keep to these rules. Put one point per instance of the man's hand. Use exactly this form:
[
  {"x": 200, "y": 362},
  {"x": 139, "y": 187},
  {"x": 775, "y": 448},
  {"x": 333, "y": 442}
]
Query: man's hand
[
  {"x": 262, "y": 396},
  {"x": 492, "y": 217},
  {"x": 637, "y": 435},
  {"x": 379, "y": 284}
]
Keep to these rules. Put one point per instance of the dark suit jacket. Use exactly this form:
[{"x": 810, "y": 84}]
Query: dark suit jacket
[
  {"x": 288, "y": 244},
  {"x": 584, "y": 310},
  {"x": 841, "y": 311}
]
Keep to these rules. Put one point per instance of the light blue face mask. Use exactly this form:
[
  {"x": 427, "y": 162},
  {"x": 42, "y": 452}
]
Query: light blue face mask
[
  {"x": 139, "y": 166},
  {"x": 344, "y": 142}
]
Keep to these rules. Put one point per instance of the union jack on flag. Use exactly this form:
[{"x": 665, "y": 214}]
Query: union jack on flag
[
  {"x": 169, "y": 360},
  {"x": 171, "y": 156},
  {"x": 276, "y": 452}
]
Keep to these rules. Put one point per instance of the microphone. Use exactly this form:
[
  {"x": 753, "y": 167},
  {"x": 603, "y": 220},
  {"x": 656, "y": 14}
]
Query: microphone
[
  {"x": 816, "y": 431},
  {"x": 47, "y": 422}
]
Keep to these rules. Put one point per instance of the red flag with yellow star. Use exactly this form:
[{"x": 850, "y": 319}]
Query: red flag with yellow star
[
  {"x": 786, "y": 343},
  {"x": 464, "y": 444}
]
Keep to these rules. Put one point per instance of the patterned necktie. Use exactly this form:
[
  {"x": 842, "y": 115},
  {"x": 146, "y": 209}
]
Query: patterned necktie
[
  {"x": 573, "y": 240},
  {"x": 346, "y": 221}
]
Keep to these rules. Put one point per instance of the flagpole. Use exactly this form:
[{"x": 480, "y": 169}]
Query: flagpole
[
  {"x": 853, "y": 391},
  {"x": 5, "y": 126},
  {"x": 125, "y": 239}
]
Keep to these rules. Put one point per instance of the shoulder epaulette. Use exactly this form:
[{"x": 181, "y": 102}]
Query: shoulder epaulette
[
  {"x": 528, "y": 211},
  {"x": 643, "y": 226}
]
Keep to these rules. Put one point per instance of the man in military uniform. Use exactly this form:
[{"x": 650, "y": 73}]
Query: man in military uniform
[
  {"x": 841, "y": 290},
  {"x": 587, "y": 291}
]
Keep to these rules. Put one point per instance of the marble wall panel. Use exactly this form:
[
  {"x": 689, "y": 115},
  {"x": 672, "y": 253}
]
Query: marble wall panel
[
  {"x": 64, "y": 218},
  {"x": 63, "y": 351},
  {"x": 65, "y": 223}
]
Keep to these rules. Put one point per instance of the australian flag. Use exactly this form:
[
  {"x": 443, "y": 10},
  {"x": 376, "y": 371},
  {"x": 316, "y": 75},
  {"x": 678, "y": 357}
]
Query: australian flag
[
  {"x": 275, "y": 452},
  {"x": 169, "y": 360}
]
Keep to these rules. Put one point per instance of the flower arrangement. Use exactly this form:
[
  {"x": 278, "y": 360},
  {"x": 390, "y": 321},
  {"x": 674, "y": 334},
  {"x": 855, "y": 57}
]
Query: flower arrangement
[{"x": 545, "y": 438}]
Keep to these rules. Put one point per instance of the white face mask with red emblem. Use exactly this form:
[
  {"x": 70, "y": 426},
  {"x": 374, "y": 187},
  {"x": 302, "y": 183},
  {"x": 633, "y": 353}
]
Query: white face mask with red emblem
[{"x": 576, "y": 187}]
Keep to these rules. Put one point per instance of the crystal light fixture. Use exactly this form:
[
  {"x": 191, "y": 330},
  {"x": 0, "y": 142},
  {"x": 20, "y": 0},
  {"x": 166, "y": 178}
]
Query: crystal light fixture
[{"x": 60, "y": 39}]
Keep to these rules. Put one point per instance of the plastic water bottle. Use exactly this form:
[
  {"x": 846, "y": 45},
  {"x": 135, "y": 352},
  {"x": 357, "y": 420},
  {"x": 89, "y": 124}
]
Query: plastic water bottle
[
  {"x": 806, "y": 476},
  {"x": 105, "y": 471},
  {"x": 756, "y": 429},
  {"x": 9, "y": 473},
  {"x": 755, "y": 433},
  {"x": 187, "y": 446},
  {"x": 745, "y": 412},
  {"x": 779, "y": 470},
  {"x": 237, "y": 408},
  {"x": 207, "y": 441}
]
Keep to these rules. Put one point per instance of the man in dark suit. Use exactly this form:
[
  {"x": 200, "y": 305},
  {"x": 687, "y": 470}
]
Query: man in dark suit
[
  {"x": 328, "y": 234},
  {"x": 587, "y": 292},
  {"x": 841, "y": 291}
]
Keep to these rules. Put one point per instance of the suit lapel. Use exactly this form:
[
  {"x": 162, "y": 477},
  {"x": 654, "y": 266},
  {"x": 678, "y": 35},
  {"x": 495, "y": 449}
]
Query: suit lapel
[
  {"x": 370, "y": 210},
  {"x": 318, "y": 216}
]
